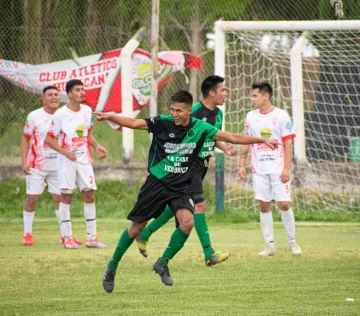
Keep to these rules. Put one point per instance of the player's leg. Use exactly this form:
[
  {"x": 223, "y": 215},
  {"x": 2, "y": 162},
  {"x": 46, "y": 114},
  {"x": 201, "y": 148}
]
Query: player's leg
[
  {"x": 183, "y": 205},
  {"x": 282, "y": 195},
  {"x": 126, "y": 239},
  {"x": 35, "y": 185},
  {"x": 67, "y": 179},
  {"x": 151, "y": 228},
  {"x": 53, "y": 183},
  {"x": 85, "y": 179},
  {"x": 263, "y": 193},
  {"x": 151, "y": 201}
]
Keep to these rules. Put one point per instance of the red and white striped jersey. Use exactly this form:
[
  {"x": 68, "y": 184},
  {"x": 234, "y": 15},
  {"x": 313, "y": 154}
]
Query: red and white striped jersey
[
  {"x": 40, "y": 155},
  {"x": 73, "y": 129},
  {"x": 275, "y": 124}
]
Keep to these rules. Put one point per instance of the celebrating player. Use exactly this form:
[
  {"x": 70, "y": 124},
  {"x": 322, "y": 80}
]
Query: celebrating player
[
  {"x": 214, "y": 94},
  {"x": 177, "y": 140},
  {"x": 73, "y": 124},
  {"x": 271, "y": 168},
  {"x": 39, "y": 164}
]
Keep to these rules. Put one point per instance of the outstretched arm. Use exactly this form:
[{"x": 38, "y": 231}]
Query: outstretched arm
[
  {"x": 122, "y": 120},
  {"x": 244, "y": 139}
]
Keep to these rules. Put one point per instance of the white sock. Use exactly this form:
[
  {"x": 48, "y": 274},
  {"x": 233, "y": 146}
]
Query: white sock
[
  {"x": 57, "y": 213},
  {"x": 28, "y": 221},
  {"x": 65, "y": 228},
  {"x": 90, "y": 217},
  {"x": 266, "y": 222},
  {"x": 289, "y": 223}
]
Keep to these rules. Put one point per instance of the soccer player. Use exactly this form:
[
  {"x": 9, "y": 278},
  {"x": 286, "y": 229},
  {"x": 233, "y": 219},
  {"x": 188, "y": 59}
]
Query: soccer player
[
  {"x": 177, "y": 140},
  {"x": 72, "y": 124},
  {"x": 270, "y": 168},
  {"x": 214, "y": 94},
  {"x": 39, "y": 163}
]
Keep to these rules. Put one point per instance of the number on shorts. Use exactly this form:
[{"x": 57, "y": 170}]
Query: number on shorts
[
  {"x": 91, "y": 180},
  {"x": 287, "y": 189}
]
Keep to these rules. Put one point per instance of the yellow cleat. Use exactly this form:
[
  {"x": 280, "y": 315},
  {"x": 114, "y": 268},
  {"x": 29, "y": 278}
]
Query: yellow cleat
[
  {"x": 142, "y": 246},
  {"x": 217, "y": 257}
]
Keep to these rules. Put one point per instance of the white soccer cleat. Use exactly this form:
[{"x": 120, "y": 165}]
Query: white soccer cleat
[
  {"x": 295, "y": 248},
  {"x": 267, "y": 251}
]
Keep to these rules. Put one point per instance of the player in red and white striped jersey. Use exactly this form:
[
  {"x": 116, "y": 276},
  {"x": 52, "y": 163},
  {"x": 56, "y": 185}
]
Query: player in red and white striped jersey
[
  {"x": 39, "y": 160},
  {"x": 72, "y": 124}
]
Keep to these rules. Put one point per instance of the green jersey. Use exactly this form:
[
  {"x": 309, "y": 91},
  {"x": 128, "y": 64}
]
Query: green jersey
[
  {"x": 175, "y": 148},
  {"x": 215, "y": 118}
]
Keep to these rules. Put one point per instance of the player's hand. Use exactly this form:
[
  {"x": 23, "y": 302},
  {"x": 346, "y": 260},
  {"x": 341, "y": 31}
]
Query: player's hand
[
  {"x": 101, "y": 116},
  {"x": 26, "y": 169},
  {"x": 242, "y": 173},
  {"x": 285, "y": 176},
  {"x": 101, "y": 151},
  {"x": 230, "y": 150},
  {"x": 272, "y": 143},
  {"x": 70, "y": 155}
]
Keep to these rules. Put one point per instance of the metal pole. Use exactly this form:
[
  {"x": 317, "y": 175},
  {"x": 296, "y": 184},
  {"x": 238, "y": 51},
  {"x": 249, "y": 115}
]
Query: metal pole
[{"x": 154, "y": 55}]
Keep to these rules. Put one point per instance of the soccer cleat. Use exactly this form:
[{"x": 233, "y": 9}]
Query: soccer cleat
[
  {"x": 294, "y": 248},
  {"x": 217, "y": 257},
  {"x": 95, "y": 243},
  {"x": 163, "y": 271},
  {"x": 267, "y": 251},
  {"x": 69, "y": 243},
  {"x": 142, "y": 246},
  {"x": 77, "y": 241},
  {"x": 109, "y": 279},
  {"x": 28, "y": 240}
]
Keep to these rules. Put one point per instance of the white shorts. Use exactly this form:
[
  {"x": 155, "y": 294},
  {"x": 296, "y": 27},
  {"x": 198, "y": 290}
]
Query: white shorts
[
  {"x": 268, "y": 187},
  {"x": 72, "y": 173},
  {"x": 38, "y": 179}
]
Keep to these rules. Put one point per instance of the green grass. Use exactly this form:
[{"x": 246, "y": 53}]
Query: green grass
[
  {"x": 46, "y": 279},
  {"x": 116, "y": 198}
]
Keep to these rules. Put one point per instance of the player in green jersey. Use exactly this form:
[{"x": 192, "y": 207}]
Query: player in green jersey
[
  {"x": 177, "y": 140},
  {"x": 214, "y": 94}
]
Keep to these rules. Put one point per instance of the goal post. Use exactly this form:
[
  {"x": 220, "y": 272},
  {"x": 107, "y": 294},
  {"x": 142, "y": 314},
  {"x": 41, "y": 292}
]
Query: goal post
[{"x": 314, "y": 68}]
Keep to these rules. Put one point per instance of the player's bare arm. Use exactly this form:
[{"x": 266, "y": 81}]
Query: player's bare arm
[
  {"x": 288, "y": 148},
  {"x": 122, "y": 121},
  {"x": 244, "y": 149},
  {"x": 101, "y": 151},
  {"x": 244, "y": 139},
  {"x": 228, "y": 150},
  {"x": 53, "y": 143},
  {"x": 24, "y": 149}
]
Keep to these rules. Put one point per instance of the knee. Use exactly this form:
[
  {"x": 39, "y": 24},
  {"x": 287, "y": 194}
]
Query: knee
[
  {"x": 187, "y": 224},
  {"x": 284, "y": 205},
  {"x": 200, "y": 208},
  {"x": 265, "y": 207},
  {"x": 135, "y": 229},
  {"x": 88, "y": 196},
  {"x": 66, "y": 198},
  {"x": 31, "y": 201}
]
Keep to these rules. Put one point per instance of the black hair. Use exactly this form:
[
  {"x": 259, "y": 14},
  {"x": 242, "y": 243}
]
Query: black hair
[
  {"x": 263, "y": 87},
  {"x": 182, "y": 96},
  {"x": 48, "y": 88},
  {"x": 72, "y": 83},
  {"x": 210, "y": 84}
]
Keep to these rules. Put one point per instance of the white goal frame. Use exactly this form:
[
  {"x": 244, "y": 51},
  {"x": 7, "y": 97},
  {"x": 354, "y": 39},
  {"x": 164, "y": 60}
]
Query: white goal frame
[{"x": 295, "y": 61}]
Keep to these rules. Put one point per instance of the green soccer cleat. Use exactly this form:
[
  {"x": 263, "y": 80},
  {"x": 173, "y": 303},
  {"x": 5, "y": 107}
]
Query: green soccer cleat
[
  {"x": 217, "y": 257},
  {"x": 142, "y": 246}
]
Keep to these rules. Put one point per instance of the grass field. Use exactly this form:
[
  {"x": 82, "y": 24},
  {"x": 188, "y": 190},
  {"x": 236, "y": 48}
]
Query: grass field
[{"x": 46, "y": 279}]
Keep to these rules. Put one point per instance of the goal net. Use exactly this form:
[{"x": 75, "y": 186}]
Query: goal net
[{"x": 315, "y": 74}]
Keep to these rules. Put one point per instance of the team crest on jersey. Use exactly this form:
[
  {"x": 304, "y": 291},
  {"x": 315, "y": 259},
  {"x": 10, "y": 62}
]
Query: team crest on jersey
[
  {"x": 80, "y": 131},
  {"x": 204, "y": 119},
  {"x": 172, "y": 135},
  {"x": 218, "y": 119},
  {"x": 191, "y": 133},
  {"x": 265, "y": 133}
]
